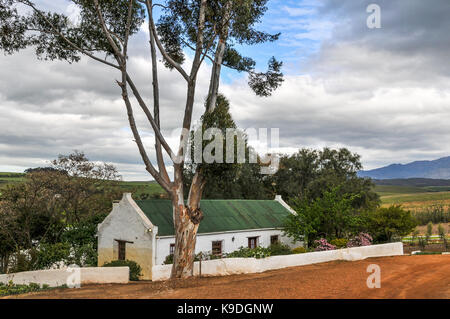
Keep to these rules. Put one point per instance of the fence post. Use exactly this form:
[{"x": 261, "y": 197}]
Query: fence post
[{"x": 200, "y": 265}]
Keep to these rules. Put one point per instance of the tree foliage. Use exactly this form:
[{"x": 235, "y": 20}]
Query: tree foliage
[
  {"x": 56, "y": 208},
  {"x": 331, "y": 216},
  {"x": 308, "y": 174},
  {"x": 226, "y": 180},
  {"x": 388, "y": 223}
]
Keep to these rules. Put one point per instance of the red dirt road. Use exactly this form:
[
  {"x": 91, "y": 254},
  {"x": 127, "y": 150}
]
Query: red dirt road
[{"x": 401, "y": 277}]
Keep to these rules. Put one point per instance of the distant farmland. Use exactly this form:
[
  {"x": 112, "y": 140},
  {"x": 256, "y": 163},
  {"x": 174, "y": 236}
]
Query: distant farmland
[
  {"x": 150, "y": 188},
  {"x": 407, "y": 195},
  {"x": 10, "y": 178}
]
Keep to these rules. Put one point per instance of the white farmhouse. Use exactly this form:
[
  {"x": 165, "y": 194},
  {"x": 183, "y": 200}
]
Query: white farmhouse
[{"x": 143, "y": 231}]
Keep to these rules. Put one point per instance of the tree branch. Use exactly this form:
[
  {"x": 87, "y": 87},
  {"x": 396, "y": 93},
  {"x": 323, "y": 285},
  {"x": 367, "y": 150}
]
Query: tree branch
[
  {"x": 155, "y": 83},
  {"x": 149, "y": 117},
  {"x": 119, "y": 56},
  {"x": 73, "y": 45},
  {"x": 166, "y": 56},
  {"x": 148, "y": 165}
]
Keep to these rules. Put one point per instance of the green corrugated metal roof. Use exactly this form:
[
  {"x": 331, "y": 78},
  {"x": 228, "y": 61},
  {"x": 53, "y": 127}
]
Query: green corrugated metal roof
[{"x": 219, "y": 215}]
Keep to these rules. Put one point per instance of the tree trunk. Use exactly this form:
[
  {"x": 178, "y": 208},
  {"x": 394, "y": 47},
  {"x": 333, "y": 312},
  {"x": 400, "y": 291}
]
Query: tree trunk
[
  {"x": 185, "y": 240},
  {"x": 186, "y": 217}
]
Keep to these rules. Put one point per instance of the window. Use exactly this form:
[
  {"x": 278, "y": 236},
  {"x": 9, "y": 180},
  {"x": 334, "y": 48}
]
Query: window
[
  {"x": 217, "y": 248},
  {"x": 172, "y": 249},
  {"x": 122, "y": 249},
  {"x": 275, "y": 239},
  {"x": 252, "y": 242}
]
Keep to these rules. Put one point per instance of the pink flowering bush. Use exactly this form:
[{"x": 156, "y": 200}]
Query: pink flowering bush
[
  {"x": 362, "y": 239},
  {"x": 322, "y": 245}
]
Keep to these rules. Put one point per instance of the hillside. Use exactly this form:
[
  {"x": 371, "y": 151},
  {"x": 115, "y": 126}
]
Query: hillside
[{"x": 437, "y": 169}]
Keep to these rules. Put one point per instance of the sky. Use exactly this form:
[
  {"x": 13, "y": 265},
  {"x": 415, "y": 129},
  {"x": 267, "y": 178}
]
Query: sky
[{"x": 383, "y": 93}]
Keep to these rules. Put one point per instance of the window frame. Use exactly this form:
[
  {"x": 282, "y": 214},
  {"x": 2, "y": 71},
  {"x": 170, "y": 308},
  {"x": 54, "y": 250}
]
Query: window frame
[
  {"x": 276, "y": 241},
  {"x": 250, "y": 240},
  {"x": 122, "y": 249},
  {"x": 220, "y": 244}
]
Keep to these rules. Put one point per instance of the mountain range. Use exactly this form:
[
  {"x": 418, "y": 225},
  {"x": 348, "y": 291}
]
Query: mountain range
[{"x": 437, "y": 169}]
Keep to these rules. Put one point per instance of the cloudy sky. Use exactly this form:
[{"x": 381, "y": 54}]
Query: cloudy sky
[{"x": 383, "y": 93}]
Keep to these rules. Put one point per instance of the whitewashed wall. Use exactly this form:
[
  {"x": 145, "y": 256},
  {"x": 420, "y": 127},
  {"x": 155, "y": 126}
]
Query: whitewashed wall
[
  {"x": 204, "y": 241},
  {"x": 127, "y": 222},
  {"x": 231, "y": 266},
  {"x": 59, "y": 277}
]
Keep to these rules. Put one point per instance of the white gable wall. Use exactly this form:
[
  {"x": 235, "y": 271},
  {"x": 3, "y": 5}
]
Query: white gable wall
[
  {"x": 204, "y": 241},
  {"x": 126, "y": 222}
]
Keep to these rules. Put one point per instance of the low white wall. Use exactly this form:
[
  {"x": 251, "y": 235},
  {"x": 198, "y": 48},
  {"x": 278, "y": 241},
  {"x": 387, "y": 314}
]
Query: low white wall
[
  {"x": 233, "y": 266},
  {"x": 59, "y": 277}
]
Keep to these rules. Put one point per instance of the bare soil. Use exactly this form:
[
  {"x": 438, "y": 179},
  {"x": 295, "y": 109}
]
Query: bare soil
[{"x": 401, "y": 277}]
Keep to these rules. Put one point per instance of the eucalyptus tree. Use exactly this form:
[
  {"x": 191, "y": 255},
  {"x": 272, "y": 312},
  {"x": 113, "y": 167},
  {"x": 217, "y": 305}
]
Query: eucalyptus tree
[{"x": 211, "y": 29}]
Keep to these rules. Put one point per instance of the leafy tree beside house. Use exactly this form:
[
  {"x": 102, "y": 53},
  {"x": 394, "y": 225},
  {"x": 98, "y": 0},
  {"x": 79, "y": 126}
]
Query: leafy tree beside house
[
  {"x": 226, "y": 180},
  {"x": 330, "y": 216}
]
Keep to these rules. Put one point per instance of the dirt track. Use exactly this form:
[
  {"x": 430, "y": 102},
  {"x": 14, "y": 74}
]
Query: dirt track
[{"x": 401, "y": 277}]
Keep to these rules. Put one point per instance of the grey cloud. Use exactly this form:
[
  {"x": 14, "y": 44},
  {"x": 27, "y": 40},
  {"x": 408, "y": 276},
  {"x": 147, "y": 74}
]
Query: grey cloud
[{"x": 411, "y": 29}]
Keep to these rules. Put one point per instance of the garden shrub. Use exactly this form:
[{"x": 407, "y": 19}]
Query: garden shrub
[
  {"x": 135, "y": 269},
  {"x": 168, "y": 260},
  {"x": 279, "y": 249},
  {"x": 362, "y": 239},
  {"x": 323, "y": 245},
  {"x": 258, "y": 252},
  {"x": 299, "y": 250},
  {"x": 13, "y": 289},
  {"x": 339, "y": 242}
]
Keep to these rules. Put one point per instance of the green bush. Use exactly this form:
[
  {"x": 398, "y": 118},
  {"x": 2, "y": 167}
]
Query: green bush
[
  {"x": 279, "y": 249},
  {"x": 386, "y": 224},
  {"x": 168, "y": 260},
  {"x": 135, "y": 269},
  {"x": 258, "y": 252},
  {"x": 49, "y": 254},
  {"x": 13, "y": 289},
  {"x": 299, "y": 250},
  {"x": 339, "y": 242}
]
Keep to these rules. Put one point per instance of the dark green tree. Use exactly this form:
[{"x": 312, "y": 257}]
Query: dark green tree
[
  {"x": 387, "y": 223},
  {"x": 307, "y": 174},
  {"x": 225, "y": 180},
  {"x": 330, "y": 216},
  {"x": 212, "y": 30}
]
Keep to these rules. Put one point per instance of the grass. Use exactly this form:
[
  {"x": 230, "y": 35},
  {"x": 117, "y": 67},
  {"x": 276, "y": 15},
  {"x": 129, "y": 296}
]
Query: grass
[
  {"x": 441, "y": 197},
  {"x": 138, "y": 189},
  {"x": 413, "y": 197},
  {"x": 13, "y": 289},
  {"x": 10, "y": 178}
]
